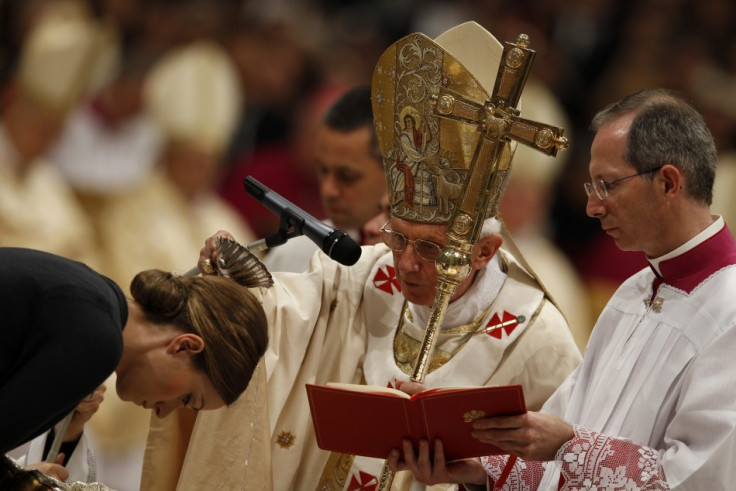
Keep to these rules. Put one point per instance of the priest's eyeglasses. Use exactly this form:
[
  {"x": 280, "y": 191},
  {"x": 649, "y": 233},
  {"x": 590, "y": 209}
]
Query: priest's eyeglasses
[
  {"x": 601, "y": 187},
  {"x": 397, "y": 242}
]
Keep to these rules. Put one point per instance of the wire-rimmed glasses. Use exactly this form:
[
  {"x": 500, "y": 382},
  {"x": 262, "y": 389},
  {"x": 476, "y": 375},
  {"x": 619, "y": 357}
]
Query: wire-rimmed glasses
[
  {"x": 602, "y": 187},
  {"x": 397, "y": 242}
]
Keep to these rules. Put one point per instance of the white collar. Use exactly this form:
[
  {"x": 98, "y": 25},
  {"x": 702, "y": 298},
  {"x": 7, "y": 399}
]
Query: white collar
[
  {"x": 706, "y": 234},
  {"x": 480, "y": 295}
]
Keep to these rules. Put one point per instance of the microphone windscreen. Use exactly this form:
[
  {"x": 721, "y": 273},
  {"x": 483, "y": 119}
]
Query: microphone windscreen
[{"x": 345, "y": 251}]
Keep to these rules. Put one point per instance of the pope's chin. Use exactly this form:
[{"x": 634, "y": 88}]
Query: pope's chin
[{"x": 417, "y": 295}]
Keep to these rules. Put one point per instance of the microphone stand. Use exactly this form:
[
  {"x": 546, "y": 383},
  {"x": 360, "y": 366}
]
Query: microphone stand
[{"x": 289, "y": 227}]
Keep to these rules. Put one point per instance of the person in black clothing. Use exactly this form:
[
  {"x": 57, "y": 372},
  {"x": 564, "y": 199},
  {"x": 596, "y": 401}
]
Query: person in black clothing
[{"x": 191, "y": 342}]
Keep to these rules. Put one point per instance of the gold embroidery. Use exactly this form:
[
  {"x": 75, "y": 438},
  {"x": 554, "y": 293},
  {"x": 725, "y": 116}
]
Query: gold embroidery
[
  {"x": 656, "y": 304},
  {"x": 472, "y": 415},
  {"x": 406, "y": 348},
  {"x": 517, "y": 320},
  {"x": 285, "y": 439},
  {"x": 468, "y": 328},
  {"x": 336, "y": 471}
]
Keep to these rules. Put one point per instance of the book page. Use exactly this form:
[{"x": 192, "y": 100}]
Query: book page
[
  {"x": 373, "y": 389},
  {"x": 377, "y": 389}
]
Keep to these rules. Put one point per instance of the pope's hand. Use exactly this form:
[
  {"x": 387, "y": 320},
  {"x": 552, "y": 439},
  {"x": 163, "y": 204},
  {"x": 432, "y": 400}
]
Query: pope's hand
[
  {"x": 434, "y": 470},
  {"x": 208, "y": 254}
]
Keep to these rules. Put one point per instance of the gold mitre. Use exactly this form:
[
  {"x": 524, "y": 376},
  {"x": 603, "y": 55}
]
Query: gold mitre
[
  {"x": 426, "y": 157},
  {"x": 194, "y": 94},
  {"x": 435, "y": 103}
]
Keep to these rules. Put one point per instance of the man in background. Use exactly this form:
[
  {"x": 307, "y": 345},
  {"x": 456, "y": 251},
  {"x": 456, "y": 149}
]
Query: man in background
[{"x": 351, "y": 179}]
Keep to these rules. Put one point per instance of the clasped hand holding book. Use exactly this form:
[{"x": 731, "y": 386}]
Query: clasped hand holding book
[{"x": 371, "y": 420}]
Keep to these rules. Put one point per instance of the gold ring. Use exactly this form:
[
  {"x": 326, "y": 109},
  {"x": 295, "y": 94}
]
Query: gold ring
[{"x": 207, "y": 266}]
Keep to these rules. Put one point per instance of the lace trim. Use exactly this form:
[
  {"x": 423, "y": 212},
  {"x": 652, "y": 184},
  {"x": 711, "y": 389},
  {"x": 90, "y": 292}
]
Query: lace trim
[
  {"x": 588, "y": 461},
  {"x": 524, "y": 476},
  {"x": 594, "y": 461}
]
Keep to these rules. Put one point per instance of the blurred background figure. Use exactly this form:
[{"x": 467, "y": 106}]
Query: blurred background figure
[
  {"x": 37, "y": 207},
  {"x": 284, "y": 165},
  {"x": 194, "y": 96},
  {"x": 525, "y": 208},
  {"x": 110, "y": 143},
  {"x": 349, "y": 167},
  {"x": 371, "y": 230},
  {"x": 713, "y": 88},
  {"x": 276, "y": 71},
  {"x": 274, "y": 138}
]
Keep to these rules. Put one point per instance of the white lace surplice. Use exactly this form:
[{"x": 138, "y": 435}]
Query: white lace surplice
[{"x": 660, "y": 378}]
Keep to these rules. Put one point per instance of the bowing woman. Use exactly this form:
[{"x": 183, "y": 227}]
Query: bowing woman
[{"x": 179, "y": 341}]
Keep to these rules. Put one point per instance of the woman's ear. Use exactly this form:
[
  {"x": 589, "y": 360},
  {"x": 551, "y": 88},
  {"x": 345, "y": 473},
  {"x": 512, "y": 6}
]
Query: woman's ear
[
  {"x": 185, "y": 343},
  {"x": 486, "y": 248}
]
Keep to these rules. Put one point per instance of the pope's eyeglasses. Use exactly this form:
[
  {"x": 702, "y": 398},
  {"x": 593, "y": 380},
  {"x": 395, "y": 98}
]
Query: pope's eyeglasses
[
  {"x": 601, "y": 187},
  {"x": 397, "y": 242}
]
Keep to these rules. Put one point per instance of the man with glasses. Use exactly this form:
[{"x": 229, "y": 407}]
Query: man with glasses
[
  {"x": 601, "y": 187},
  {"x": 365, "y": 323},
  {"x": 653, "y": 405}
]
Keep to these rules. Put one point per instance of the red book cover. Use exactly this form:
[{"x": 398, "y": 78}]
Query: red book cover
[{"x": 370, "y": 421}]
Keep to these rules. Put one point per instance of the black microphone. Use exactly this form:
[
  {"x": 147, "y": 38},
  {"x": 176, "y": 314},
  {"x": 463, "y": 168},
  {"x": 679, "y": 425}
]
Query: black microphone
[{"x": 333, "y": 242}]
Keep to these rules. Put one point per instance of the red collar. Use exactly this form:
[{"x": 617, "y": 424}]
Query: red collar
[{"x": 691, "y": 268}]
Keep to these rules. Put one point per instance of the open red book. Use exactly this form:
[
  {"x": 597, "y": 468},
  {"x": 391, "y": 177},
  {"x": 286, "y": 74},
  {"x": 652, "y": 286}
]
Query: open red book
[{"x": 370, "y": 421}]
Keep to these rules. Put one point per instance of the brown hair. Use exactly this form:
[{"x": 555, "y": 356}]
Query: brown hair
[{"x": 227, "y": 316}]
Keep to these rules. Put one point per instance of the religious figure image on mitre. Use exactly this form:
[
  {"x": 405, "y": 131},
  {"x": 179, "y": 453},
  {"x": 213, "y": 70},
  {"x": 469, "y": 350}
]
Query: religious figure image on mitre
[
  {"x": 432, "y": 117},
  {"x": 410, "y": 179},
  {"x": 426, "y": 157}
]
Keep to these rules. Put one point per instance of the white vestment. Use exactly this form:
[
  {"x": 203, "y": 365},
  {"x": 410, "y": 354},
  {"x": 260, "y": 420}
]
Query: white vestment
[
  {"x": 39, "y": 210},
  {"x": 654, "y": 401},
  {"x": 97, "y": 158},
  {"x": 533, "y": 353}
]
